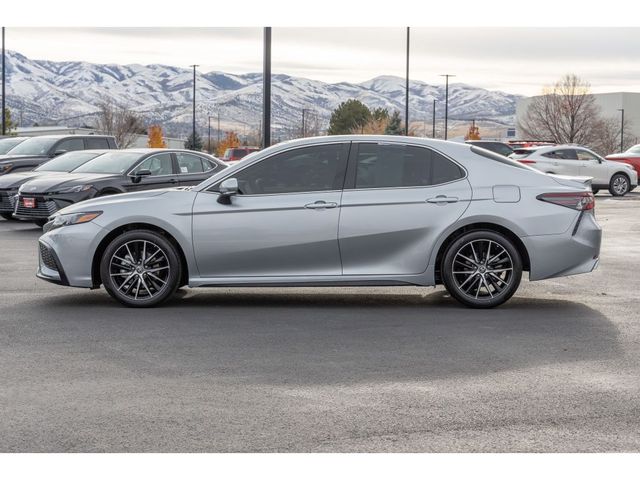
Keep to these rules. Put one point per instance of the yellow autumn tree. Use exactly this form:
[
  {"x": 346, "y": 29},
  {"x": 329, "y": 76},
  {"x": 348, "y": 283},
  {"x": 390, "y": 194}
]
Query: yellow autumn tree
[
  {"x": 230, "y": 140},
  {"x": 156, "y": 139}
]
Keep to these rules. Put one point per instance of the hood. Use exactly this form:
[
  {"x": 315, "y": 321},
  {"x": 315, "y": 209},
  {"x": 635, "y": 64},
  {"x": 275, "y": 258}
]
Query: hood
[
  {"x": 570, "y": 181},
  {"x": 101, "y": 203},
  {"x": 14, "y": 180},
  {"x": 8, "y": 158},
  {"x": 53, "y": 183}
]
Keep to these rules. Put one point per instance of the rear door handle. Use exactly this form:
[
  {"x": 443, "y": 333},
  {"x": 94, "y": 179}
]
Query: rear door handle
[
  {"x": 321, "y": 204},
  {"x": 442, "y": 199}
]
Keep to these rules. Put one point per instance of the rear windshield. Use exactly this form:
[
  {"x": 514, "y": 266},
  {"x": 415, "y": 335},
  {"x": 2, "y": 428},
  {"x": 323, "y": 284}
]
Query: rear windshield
[
  {"x": 112, "y": 162},
  {"x": 67, "y": 162},
  {"x": 501, "y": 158}
]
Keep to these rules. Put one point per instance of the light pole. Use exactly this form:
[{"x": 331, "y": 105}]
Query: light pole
[
  {"x": 621, "y": 110},
  {"x": 406, "y": 98},
  {"x": 266, "y": 89},
  {"x": 304, "y": 128},
  {"x": 433, "y": 122},
  {"x": 4, "y": 126},
  {"x": 209, "y": 137},
  {"x": 446, "y": 103},
  {"x": 193, "y": 131}
]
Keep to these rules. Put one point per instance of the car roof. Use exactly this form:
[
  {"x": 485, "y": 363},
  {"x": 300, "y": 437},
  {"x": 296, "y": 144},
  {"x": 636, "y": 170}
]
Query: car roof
[{"x": 145, "y": 150}]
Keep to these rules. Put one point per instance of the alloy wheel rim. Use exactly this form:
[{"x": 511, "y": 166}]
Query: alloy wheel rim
[
  {"x": 139, "y": 269},
  {"x": 482, "y": 269},
  {"x": 620, "y": 185}
]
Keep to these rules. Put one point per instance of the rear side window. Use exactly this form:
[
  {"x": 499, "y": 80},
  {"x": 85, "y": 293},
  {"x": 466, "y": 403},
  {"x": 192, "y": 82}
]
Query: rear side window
[
  {"x": 96, "y": 143},
  {"x": 392, "y": 166},
  {"x": 188, "y": 163}
]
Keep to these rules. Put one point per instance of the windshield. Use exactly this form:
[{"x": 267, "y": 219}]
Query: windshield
[
  {"x": 33, "y": 146},
  {"x": 67, "y": 162},
  {"x": 112, "y": 162},
  {"x": 7, "y": 144},
  {"x": 634, "y": 149}
]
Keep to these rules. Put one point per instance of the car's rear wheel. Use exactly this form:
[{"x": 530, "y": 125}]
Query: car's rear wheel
[
  {"x": 619, "y": 185},
  {"x": 140, "y": 268},
  {"x": 482, "y": 269}
]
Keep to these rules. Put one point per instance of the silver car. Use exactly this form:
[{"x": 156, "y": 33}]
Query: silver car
[
  {"x": 618, "y": 178},
  {"x": 331, "y": 211}
]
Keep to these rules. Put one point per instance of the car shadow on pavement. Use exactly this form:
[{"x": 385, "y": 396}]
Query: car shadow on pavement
[{"x": 315, "y": 337}]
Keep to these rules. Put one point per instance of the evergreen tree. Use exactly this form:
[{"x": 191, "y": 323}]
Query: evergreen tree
[
  {"x": 394, "y": 127},
  {"x": 9, "y": 124},
  {"x": 380, "y": 113},
  {"x": 194, "y": 144},
  {"x": 348, "y": 116}
]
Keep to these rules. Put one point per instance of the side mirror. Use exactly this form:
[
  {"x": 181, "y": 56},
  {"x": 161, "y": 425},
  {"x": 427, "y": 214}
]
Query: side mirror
[
  {"x": 137, "y": 176},
  {"x": 59, "y": 152},
  {"x": 227, "y": 189}
]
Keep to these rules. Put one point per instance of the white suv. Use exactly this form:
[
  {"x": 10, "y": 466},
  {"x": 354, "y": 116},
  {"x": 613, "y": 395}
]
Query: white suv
[{"x": 618, "y": 178}]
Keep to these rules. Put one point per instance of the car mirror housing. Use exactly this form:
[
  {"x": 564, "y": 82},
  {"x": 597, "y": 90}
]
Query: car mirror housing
[
  {"x": 137, "y": 176},
  {"x": 58, "y": 153},
  {"x": 227, "y": 189}
]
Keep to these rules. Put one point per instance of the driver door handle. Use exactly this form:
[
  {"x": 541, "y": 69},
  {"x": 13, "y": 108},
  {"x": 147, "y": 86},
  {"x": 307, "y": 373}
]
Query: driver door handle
[
  {"x": 321, "y": 204},
  {"x": 442, "y": 199}
]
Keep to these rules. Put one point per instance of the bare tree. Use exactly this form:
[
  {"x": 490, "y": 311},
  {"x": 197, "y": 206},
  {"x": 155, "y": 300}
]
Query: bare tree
[
  {"x": 606, "y": 136},
  {"x": 565, "y": 113},
  {"x": 120, "y": 122}
]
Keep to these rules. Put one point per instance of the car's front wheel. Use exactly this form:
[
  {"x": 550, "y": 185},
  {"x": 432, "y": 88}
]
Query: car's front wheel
[
  {"x": 482, "y": 269},
  {"x": 141, "y": 268},
  {"x": 619, "y": 185},
  {"x": 7, "y": 216}
]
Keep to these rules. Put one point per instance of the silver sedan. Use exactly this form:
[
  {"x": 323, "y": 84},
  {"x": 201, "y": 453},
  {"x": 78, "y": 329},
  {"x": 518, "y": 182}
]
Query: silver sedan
[{"x": 331, "y": 211}]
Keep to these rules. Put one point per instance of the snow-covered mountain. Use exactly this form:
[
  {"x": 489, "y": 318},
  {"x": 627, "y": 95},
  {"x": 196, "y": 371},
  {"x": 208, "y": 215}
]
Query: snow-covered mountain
[{"x": 68, "y": 93}]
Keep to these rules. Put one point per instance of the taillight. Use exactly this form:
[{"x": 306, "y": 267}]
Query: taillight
[
  {"x": 576, "y": 200},
  {"x": 526, "y": 160}
]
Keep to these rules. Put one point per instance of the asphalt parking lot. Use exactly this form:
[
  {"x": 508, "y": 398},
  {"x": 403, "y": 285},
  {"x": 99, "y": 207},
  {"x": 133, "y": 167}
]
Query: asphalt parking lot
[{"x": 556, "y": 369}]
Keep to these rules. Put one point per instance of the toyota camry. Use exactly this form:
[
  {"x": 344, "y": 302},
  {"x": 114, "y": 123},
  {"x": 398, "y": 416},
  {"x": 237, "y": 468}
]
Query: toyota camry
[{"x": 331, "y": 211}]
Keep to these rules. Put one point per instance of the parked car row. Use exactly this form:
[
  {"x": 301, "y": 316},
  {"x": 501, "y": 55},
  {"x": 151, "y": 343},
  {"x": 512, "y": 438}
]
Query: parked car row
[{"x": 79, "y": 175}]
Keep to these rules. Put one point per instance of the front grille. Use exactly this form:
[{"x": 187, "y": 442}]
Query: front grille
[
  {"x": 47, "y": 257},
  {"x": 7, "y": 201},
  {"x": 43, "y": 209}
]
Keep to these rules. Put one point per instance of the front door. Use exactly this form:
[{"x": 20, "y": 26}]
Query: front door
[
  {"x": 397, "y": 201},
  {"x": 162, "y": 173},
  {"x": 283, "y": 222},
  {"x": 592, "y": 166}
]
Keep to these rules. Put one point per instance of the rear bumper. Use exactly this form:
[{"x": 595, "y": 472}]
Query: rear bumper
[{"x": 571, "y": 253}]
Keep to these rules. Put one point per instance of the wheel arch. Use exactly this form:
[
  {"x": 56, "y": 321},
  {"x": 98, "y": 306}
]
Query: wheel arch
[
  {"x": 97, "y": 255},
  {"x": 450, "y": 237}
]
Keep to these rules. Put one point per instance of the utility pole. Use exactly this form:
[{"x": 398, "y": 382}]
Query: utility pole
[
  {"x": 4, "y": 119},
  {"x": 266, "y": 89},
  {"x": 406, "y": 99},
  {"x": 621, "y": 110},
  {"x": 446, "y": 104},
  {"x": 218, "y": 127},
  {"x": 193, "y": 131},
  {"x": 209, "y": 149},
  {"x": 433, "y": 123}
]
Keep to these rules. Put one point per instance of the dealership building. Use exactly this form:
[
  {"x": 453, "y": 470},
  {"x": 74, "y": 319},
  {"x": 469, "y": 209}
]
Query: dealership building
[{"x": 610, "y": 104}]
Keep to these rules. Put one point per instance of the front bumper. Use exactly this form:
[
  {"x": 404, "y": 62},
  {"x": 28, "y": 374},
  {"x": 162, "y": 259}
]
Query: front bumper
[
  {"x": 65, "y": 254},
  {"x": 46, "y": 205},
  {"x": 571, "y": 253},
  {"x": 8, "y": 200}
]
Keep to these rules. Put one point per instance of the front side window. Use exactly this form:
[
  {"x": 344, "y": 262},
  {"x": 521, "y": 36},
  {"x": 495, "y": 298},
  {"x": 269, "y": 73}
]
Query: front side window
[
  {"x": 160, "y": 164},
  {"x": 391, "y": 166},
  {"x": 70, "y": 145},
  {"x": 307, "y": 169},
  {"x": 584, "y": 155},
  {"x": 189, "y": 163}
]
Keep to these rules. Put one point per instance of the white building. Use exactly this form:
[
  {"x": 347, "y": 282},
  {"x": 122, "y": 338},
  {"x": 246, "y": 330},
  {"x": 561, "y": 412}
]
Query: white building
[
  {"x": 610, "y": 103},
  {"x": 139, "y": 142}
]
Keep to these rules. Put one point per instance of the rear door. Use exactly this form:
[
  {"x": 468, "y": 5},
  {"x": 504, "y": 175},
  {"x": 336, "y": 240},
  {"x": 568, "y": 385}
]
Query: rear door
[
  {"x": 562, "y": 161},
  {"x": 162, "y": 173},
  {"x": 192, "y": 168},
  {"x": 397, "y": 201}
]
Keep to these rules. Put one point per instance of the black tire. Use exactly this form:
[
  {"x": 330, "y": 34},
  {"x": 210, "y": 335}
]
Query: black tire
[
  {"x": 495, "y": 266},
  {"x": 113, "y": 270},
  {"x": 40, "y": 222},
  {"x": 619, "y": 185},
  {"x": 595, "y": 190},
  {"x": 7, "y": 216}
]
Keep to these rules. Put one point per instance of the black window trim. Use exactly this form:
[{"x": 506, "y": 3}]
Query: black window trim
[
  {"x": 350, "y": 181},
  {"x": 346, "y": 147}
]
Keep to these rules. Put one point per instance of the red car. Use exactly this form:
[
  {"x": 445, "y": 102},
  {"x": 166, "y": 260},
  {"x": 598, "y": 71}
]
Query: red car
[
  {"x": 237, "y": 153},
  {"x": 631, "y": 156}
]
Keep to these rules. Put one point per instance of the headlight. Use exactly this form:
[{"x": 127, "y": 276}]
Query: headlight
[
  {"x": 64, "y": 219},
  {"x": 76, "y": 189},
  {"x": 6, "y": 167}
]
